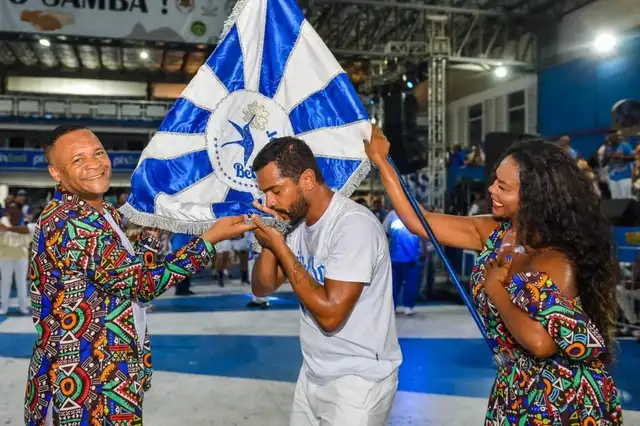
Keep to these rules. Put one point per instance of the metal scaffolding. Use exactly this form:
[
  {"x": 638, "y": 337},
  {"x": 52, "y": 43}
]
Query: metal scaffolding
[
  {"x": 439, "y": 52},
  {"x": 385, "y": 29},
  {"x": 481, "y": 31},
  {"x": 485, "y": 33}
]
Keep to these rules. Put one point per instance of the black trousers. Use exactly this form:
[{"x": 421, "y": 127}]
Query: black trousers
[{"x": 183, "y": 286}]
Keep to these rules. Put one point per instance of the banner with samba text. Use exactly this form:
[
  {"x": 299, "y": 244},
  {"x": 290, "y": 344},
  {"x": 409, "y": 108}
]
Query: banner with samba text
[{"x": 185, "y": 21}]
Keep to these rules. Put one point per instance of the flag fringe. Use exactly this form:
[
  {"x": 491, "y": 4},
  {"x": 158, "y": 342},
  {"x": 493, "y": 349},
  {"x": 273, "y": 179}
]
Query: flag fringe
[
  {"x": 232, "y": 18},
  {"x": 166, "y": 223},
  {"x": 356, "y": 179}
]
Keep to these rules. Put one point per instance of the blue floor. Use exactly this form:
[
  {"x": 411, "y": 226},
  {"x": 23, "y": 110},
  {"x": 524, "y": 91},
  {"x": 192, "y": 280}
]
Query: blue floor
[
  {"x": 460, "y": 367},
  {"x": 451, "y": 366},
  {"x": 222, "y": 303},
  {"x": 234, "y": 302}
]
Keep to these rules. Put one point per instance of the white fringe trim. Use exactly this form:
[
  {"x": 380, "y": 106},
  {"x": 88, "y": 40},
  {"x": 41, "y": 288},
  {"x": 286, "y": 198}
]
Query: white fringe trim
[
  {"x": 356, "y": 179},
  {"x": 166, "y": 223},
  {"x": 232, "y": 18}
]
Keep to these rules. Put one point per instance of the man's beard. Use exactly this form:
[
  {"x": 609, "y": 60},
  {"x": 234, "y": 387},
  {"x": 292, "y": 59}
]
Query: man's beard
[{"x": 298, "y": 210}]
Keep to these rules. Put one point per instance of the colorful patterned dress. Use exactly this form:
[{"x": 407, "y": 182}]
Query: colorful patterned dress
[
  {"x": 88, "y": 362},
  {"x": 571, "y": 388}
]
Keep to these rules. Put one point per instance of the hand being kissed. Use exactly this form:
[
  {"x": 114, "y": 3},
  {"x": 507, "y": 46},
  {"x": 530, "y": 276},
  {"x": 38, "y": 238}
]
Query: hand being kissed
[{"x": 268, "y": 237}]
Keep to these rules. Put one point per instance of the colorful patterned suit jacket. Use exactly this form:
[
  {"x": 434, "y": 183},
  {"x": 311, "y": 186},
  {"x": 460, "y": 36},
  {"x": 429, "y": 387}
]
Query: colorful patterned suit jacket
[{"x": 86, "y": 361}]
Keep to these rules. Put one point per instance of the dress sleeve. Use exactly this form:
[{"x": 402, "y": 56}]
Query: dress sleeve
[{"x": 565, "y": 321}]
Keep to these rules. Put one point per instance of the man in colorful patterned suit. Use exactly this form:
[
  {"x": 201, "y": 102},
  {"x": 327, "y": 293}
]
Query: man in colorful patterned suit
[{"x": 91, "y": 363}]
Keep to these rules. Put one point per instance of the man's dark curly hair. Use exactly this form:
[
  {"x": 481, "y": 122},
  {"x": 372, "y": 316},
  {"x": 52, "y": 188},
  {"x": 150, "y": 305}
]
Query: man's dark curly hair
[
  {"x": 560, "y": 209},
  {"x": 292, "y": 156}
]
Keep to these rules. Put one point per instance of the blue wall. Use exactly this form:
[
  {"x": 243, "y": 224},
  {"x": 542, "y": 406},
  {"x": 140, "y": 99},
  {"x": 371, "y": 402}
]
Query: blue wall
[{"x": 577, "y": 96}]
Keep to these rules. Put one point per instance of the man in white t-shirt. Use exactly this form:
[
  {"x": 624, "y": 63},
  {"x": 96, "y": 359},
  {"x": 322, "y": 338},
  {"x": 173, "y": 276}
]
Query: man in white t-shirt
[{"x": 337, "y": 261}]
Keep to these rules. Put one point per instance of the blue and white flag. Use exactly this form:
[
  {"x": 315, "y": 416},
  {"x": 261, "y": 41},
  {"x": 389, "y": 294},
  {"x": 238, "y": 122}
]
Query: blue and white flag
[{"x": 270, "y": 76}]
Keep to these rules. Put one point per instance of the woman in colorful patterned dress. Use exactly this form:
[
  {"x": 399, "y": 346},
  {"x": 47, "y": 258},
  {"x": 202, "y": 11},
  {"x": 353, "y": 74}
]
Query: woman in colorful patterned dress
[{"x": 543, "y": 285}]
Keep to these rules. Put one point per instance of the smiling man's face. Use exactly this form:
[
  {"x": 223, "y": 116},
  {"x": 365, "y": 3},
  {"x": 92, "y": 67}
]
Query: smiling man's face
[{"x": 79, "y": 161}]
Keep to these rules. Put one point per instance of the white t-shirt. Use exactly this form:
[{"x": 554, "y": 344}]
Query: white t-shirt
[{"x": 348, "y": 243}]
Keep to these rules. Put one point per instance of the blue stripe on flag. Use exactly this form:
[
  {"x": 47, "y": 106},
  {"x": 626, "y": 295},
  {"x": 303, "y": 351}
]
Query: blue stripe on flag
[
  {"x": 239, "y": 196},
  {"x": 282, "y": 28},
  {"x": 185, "y": 117},
  {"x": 336, "y": 105},
  {"x": 226, "y": 61},
  {"x": 154, "y": 176},
  {"x": 236, "y": 203},
  {"x": 336, "y": 171}
]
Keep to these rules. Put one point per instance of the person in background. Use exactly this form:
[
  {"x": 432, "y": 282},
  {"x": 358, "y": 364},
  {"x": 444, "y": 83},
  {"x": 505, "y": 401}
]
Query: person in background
[
  {"x": 628, "y": 290},
  {"x": 619, "y": 158},
  {"x": 122, "y": 199},
  {"x": 21, "y": 198},
  {"x": 406, "y": 252},
  {"x": 8, "y": 200},
  {"x": 378, "y": 210},
  {"x": 599, "y": 165},
  {"x": 457, "y": 157},
  {"x": 475, "y": 205},
  {"x": 362, "y": 202},
  {"x": 183, "y": 288},
  {"x": 222, "y": 262},
  {"x": 15, "y": 237},
  {"x": 565, "y": 143},
  {"x": 584, "y": 166},
  {"x": 255, "y": 302},
  {"x": 240, "y": 248},
  {"x": 476, "y": 158},
  {"x": 429, "y": 264}
]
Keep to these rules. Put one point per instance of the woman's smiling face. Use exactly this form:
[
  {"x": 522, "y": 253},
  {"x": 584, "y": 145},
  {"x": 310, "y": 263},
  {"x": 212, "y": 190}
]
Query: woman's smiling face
[{"x": 505, "y": 190}]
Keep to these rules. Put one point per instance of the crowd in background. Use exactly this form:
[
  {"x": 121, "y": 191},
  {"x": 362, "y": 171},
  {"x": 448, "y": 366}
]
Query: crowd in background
[{"x": 614, "y": 168}]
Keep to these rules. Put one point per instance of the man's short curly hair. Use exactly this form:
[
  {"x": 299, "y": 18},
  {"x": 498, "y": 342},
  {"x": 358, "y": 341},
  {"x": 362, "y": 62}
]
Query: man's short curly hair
[{"x": 292, "y": 156}]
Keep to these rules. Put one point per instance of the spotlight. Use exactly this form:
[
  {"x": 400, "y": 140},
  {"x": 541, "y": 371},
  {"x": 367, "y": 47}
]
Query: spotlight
[
  {"x": 500, "y": 72},
  {"x": 605, "y": 43},
  {"x": 45, "y": 42},
  {"x": 144, "y": 55}
]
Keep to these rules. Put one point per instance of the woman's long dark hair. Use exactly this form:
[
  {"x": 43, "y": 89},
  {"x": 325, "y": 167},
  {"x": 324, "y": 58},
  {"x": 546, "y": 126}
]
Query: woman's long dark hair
[{"x": 560, "y": 209}]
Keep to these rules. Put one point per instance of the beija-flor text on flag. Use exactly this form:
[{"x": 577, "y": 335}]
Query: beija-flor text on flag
[{"x": 270, "y": 76}]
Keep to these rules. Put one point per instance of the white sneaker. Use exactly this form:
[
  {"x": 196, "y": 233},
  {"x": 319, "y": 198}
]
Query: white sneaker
[{"x": 408, "y": 311}]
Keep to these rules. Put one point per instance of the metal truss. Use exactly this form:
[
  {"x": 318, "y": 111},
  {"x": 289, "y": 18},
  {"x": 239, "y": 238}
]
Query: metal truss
[
  {"x": 436, "y": 131},
  {"x": 385, "y": 29},
  {"x": 483, "y": 32}
]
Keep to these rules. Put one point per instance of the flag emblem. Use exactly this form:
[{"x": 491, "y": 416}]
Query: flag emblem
[{"x": 270, "y": 76}]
